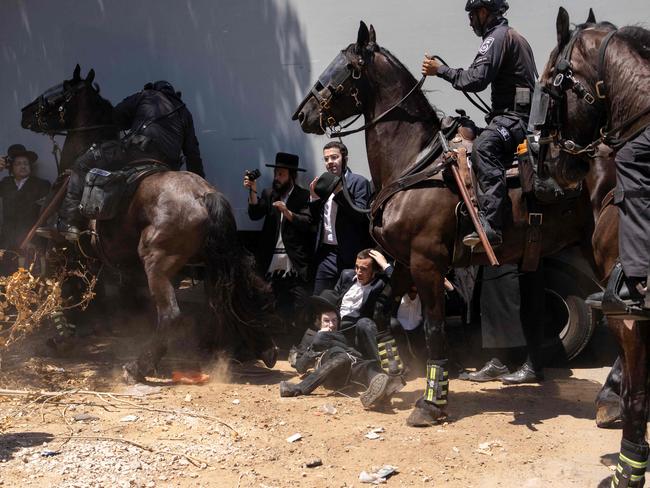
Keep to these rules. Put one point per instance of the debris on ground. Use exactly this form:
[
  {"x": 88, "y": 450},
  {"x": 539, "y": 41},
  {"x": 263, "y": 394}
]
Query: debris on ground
[
  {"x": 293, "y": 438},
  {"x": 377, "y": 475},
  {"x": 314, "y": 463}
]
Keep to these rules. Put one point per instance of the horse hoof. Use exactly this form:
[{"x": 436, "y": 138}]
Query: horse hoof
[
  {"x": 131, "y": 374},
  {"x": 425, "y": 414},
  {"x": 608, "y": 415}
]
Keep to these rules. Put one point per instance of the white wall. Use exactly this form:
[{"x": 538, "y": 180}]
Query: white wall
[{"x": 243, "y": 65}]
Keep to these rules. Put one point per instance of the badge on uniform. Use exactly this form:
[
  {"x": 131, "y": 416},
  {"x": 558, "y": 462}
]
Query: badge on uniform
[
  {"x": 504, "y": 133},
  {"x": 487, "y": 43}
]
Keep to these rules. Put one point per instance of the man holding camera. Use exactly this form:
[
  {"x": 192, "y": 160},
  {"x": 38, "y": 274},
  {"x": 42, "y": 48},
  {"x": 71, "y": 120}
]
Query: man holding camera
[{"x": 287, "y": 240}]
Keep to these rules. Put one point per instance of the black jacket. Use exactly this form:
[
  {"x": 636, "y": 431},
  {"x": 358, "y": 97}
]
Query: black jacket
[
  {"x": 505, "y": 59},
  {"x": 19, "y": 209},
  {"x": 297, "y": 235},
  {"x": 352, "y": 228},
  {"x": 170, "y": 135},
  {"x": 371, "y": 294}
]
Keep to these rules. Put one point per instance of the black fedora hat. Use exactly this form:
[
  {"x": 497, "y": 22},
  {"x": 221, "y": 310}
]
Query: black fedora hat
[
  {"x": 286, "y": 160},
  {"x": 18, "y": 150},
  {"x": 326, "y": 184},
  {"x": 327, "y": 301}
]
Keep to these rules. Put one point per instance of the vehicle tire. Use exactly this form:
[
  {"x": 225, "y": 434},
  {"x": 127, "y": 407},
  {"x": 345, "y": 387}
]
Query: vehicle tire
[{"x": 570, "y": 325}]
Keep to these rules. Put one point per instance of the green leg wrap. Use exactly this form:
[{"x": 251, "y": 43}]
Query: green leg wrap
[
  {"x": 391, "y": 362},
  {"x": 63, "y": 327},
  {"x": 437, "y": 383},
  {"x": 632, "y": 463}
]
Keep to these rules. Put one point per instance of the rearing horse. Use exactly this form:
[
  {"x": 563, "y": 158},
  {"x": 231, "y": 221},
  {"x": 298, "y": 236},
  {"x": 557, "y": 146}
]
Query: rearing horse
[
  {"x": 173, "y": 218},
  {"x": 417, "y": 226},
  {"x": 604, "y": 84}
]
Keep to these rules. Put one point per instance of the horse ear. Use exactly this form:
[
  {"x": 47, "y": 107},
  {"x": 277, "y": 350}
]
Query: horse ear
[
  {"x": 76, "y": 74},
  {"x": 91, "y": 76},
  {"x": 372, "y": 35},
  {"x": 363, "y": 36},
  {"x": 591, "y": 19},
  {"x": 563, "y": 27}
]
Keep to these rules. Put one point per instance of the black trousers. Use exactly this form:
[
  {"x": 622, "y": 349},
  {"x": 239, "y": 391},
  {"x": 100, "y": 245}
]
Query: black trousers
[
  {"x": 328, "y": 268},
  {"x": 291, "y": 294},
  {"x": 632, "y": 197},
  {"x": 362, "y": 333},
  {"x": 492, "y": 154},
  {"x": 337, "y": 370}
]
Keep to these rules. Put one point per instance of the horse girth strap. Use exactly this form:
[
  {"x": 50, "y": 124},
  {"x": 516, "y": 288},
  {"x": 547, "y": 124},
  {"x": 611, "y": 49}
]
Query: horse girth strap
[{"x": 420, "y": 171}]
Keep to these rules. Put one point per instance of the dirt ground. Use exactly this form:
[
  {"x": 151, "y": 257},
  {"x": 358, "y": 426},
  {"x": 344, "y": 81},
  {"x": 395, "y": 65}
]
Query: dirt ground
[{"x": 232, "y": 431}]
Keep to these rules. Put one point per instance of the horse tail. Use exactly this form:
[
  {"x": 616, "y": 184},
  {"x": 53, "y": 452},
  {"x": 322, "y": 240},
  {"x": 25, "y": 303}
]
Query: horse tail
[{"x": 240, "y": 300}]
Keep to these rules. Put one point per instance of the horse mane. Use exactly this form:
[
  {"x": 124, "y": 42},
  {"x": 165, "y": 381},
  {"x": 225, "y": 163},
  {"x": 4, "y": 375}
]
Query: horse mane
[
  {"x": 638, "y": 38},
  {"x": 432, "y": 111}
]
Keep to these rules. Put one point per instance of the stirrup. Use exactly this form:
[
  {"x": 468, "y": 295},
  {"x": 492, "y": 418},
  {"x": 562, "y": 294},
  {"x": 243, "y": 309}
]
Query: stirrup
[{"x": 613, "y": 305}]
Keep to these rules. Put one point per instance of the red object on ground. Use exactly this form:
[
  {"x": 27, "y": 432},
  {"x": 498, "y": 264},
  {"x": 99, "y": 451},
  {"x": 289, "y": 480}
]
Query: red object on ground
[{"x": 190, "y": 377}]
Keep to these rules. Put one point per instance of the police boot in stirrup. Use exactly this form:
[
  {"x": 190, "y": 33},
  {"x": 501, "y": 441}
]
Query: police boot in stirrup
[
  {"x": 430, "y": 408},
  {"x": 632, "y": 463},
  {"x": 622, "y": 297}
]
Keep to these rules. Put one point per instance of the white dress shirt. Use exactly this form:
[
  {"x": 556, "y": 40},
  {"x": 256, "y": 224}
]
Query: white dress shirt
[
  {"x": 409, "y": 312},
  {"x": 280, "y": 262},
  {"x": 353, "y": 298}
]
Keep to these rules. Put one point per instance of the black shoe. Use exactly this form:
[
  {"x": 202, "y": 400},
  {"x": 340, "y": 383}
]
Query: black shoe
[
  {"x": 289, "y": 390},
  {"x": 376, "y": 391},
  {"x": 625, "y": 296},
  {"x": 70, "y": 232},
  {"x": 473, "y": 240},
  {"x": 490, "y": 372},
  {"x": 395, "y": 384},
  {"x": 525, "y": 374}
]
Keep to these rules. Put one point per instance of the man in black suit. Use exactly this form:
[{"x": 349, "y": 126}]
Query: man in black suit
[
  {"x": 285, "y": 247},
  {"x": 20, "y": 193},
  {"x": 358, "y": 290},
  {"x": 341, "y": 231}
]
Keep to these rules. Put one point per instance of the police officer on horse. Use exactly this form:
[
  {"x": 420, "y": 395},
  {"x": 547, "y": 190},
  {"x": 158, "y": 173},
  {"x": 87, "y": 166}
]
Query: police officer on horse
[
  {"x": 160, "y": 128},
  {"x": 504, "y": 60}
]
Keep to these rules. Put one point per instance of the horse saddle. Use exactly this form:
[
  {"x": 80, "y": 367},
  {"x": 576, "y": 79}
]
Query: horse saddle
[{"x": 106, "y": 192}]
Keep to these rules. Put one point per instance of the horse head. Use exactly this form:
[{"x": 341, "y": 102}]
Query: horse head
[
  {"x": 340, "y": 90},
  {"x": 569, "y": 84},
  {"x": 65, "y": 106}
]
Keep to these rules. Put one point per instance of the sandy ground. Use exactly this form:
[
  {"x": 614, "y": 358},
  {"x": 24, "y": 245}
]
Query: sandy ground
[{"x": 519, "y": 436}]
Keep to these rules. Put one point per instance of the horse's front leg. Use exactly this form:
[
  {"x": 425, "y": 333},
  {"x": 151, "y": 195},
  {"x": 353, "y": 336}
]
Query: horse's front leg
[
  {"x": 429, "y": 280},
  {"x": 634, "y": 339},
  {"x": 160, "y": 268}
]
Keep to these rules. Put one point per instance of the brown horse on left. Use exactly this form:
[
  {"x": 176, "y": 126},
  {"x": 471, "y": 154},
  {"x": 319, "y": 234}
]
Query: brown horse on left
[{"x": 174, "y": 218}]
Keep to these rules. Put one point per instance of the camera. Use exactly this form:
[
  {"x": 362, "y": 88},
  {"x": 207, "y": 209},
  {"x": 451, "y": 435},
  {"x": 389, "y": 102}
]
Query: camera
[{"x": 252, "y": 174}]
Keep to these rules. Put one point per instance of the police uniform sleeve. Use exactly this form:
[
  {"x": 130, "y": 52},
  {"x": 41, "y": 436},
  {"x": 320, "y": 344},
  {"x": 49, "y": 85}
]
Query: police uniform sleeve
[
  {"x": 124, "y": 112},
  {"x": 483, "y": 70},
  {"x": 194, "y": 163}
]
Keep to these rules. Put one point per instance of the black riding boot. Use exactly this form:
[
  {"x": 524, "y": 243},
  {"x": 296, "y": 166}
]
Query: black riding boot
[
  {"x": 623, "y": 296},
  {"x": 70, "y": 219}
]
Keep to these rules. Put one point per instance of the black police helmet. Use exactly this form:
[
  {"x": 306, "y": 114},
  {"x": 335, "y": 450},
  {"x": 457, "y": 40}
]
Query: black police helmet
[{"x": 496, "y": 6}]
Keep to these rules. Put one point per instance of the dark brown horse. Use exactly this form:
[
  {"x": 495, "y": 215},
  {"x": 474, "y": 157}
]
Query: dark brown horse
[
  {"x": 173, "y": 218},
  {"x": 598, "y": 52},
  {"x": 418, "y": 226}
]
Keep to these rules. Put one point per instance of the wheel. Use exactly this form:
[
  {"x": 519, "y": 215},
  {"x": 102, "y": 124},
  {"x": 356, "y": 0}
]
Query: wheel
[{"x": 569, "y": 323}]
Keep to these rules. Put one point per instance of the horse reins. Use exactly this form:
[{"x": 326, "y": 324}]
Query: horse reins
[{"x": 565, "y": 72}]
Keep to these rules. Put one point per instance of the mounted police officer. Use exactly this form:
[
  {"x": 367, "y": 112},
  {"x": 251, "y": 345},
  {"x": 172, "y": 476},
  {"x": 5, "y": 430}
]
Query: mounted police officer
[
  {"x": 160, "y": 129},
  {"x": 504, "y": 60}
]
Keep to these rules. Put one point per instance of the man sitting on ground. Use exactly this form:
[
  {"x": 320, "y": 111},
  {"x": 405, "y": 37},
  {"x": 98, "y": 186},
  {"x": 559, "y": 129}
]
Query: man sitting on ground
[{"x": 337, "y": 362}]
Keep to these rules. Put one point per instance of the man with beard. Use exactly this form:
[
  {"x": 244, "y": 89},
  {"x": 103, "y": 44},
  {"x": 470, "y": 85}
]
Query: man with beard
[{"x": 285, "y": 247}]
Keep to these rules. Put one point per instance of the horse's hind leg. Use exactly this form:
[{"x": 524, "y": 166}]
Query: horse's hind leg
[
  {"x": 429, "y": 280},
  {"x": 160, "y": 269},
  {"x": 634, "y": 339}
]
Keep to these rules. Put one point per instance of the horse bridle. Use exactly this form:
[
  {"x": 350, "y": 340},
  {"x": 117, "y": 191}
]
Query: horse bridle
[
  {"x": 61, "y": 96},
  {"x": 333, "y": 81},
  {"x": 564, "y": 81}
]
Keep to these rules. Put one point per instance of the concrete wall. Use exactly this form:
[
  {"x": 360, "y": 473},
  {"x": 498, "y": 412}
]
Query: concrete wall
[{"x": 243, "y": 65}]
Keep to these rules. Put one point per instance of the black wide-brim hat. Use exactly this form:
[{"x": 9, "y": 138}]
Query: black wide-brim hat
[
  {"x": 327, "y": 301},
  {"x": 286, "y": 160},
  {"x": 326, "y": 184},
  {"x": 18, "y": 150}
]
